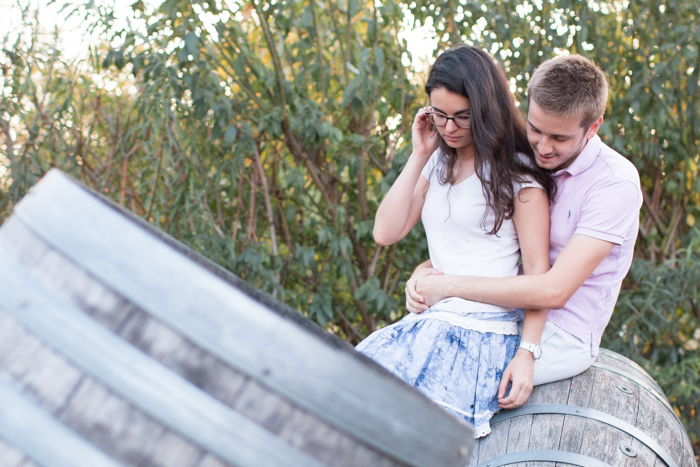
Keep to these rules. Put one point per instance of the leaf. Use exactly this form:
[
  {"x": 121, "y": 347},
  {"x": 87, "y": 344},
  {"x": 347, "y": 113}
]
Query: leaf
[
  {"x": 350, "y": 91},
  {"x": 345, "y": 245},
  {"x": 230, "y": 134},
  {"x": 356, "y": 105},
  {"x": 379, "y": 58},
  {"x": 365, "y": 229},
  {"x": 352, "y": 68},
  {"x": 192, "y": 44},
  {"x": 107, "y": 62}
]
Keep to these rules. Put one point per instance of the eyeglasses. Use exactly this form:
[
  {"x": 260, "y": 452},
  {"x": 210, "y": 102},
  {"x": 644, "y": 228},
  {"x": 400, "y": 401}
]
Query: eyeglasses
[{"x": 438, "y": 119}]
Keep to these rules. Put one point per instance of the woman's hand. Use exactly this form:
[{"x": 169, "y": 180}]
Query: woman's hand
[
  {"x": 425, "y": 135},
  {"x": 520, "y": 371},
  {"x": 415, "y": 303}
]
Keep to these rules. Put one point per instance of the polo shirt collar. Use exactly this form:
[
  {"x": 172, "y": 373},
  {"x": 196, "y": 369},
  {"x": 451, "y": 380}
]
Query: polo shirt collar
[{"x": 585, "y": 158}]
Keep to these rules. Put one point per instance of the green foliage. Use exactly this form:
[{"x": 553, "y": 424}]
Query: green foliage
[{"x": 657, "y": 323}]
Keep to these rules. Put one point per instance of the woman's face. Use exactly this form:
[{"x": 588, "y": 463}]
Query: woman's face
[{"x": 452, "y": 105}]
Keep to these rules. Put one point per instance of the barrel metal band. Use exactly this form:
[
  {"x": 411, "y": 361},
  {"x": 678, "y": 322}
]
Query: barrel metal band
[
  {"x": 140, "y": 380},
  {"x": 544, "y": 456},
  {"x": 41, "y": 437},
  {"x": 641, "y": 384},
  {"x": 585, "y": 412}
]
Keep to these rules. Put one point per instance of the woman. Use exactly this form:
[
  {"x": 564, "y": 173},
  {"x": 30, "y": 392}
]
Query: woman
[{"x": 473, "y": 181}]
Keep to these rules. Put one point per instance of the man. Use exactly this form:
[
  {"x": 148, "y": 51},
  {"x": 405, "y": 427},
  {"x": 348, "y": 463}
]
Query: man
[{"x": 594, "y": 224}]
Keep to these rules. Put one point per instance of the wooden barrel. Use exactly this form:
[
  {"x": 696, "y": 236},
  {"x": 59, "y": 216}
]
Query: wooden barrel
[
  {"x": 613, "y": 414},
  {"x": 120, "y": 346}
]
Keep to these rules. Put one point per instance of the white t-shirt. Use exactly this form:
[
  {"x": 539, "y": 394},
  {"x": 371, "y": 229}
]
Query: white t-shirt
[{"x": 458, "y": 239}]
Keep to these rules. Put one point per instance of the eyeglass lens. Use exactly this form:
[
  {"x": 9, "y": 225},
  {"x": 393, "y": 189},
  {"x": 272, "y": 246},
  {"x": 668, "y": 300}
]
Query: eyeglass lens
[{"x": 462, "y": 121}]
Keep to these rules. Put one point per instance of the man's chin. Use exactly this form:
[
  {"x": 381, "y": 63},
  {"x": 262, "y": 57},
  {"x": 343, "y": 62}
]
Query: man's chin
[{"x": 546, "y": 162}]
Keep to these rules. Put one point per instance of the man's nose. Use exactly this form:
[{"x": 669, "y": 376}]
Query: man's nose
[{"x": 545, "y": 145}]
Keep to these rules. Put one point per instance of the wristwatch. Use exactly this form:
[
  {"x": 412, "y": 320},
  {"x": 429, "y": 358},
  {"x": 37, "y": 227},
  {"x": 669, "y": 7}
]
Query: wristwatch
[{"x": 535, "y": 350}]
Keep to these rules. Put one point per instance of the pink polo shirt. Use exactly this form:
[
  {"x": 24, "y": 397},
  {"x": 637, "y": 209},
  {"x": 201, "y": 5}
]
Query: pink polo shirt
[{"x": 599, "y": 196}]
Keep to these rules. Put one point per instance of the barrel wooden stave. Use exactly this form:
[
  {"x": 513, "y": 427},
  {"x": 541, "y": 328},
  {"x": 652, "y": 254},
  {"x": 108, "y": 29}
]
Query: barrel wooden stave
[
  {"x": 666, "y": 427},
  {"x": 87, "y": 407},
  {"x": 688, "y": 454},
  {"x": 10, "y": 456},
  {"x": 615, "y": 360},
  {"x": 291, "y": 423}
]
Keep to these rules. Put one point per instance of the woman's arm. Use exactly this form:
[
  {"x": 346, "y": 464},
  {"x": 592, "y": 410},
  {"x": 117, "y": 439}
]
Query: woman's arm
[
  {"x": 401, "y": 208},
  {"x": 531, "y": 220},
  {"x": 414, "y": 302}
]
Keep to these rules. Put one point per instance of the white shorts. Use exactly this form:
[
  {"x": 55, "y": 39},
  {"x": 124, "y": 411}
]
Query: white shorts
[{"x": 563, "y": 355}]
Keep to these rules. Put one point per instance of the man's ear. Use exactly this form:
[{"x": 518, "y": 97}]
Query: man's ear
[{"x": 593, "y": 129}]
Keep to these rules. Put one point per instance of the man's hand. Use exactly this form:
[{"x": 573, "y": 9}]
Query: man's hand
[
  {"x": 415, "y": 302},
  {"x": 520, "y": 372},
  {"x": 431, "y": 288}
]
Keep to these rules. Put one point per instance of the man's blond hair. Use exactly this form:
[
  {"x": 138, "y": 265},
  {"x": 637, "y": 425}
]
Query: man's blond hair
[{"x": 570, "y": 86}]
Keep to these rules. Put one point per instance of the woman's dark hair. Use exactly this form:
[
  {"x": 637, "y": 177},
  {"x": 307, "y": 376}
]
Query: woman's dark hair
[{"x": 497, "y": 127}]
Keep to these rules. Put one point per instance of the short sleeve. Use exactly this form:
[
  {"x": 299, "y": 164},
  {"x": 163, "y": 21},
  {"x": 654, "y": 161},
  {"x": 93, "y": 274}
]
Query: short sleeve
[
  {"x": 528, "y": 183},
  {"x": 611, "y": 212},
  {"x": 430, "y": 166}
]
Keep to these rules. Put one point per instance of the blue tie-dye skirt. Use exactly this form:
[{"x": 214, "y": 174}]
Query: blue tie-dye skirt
[{"x": 456, "y": 367}]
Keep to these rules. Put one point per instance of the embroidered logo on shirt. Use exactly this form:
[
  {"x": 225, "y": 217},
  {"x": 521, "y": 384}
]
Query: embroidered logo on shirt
[{"x": 569, "y": 216}]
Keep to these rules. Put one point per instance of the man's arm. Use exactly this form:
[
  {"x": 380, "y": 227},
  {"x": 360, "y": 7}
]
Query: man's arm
[{"x": 551, "y": 290}]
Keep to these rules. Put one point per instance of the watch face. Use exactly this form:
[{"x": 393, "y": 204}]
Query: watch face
[{"x": 537, "y": 353}]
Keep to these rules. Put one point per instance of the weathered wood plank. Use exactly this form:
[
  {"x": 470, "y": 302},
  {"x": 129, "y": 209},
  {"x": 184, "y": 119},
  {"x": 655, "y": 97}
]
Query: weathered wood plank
[
  {"x": 579, "y": 395},
  {"x": 546, "y": 430},
  {"x": 520, "y": 427},
  {"x": 60, "y": 276},
  {"x": 689, "y": 459},
  {"x": 602, "y": 441},
  {"x": 211, "y": 461},
  {"x": 362, "y": 456},
  {"x": 183, "y": 357},
  {"x": 124, "y": 432},
  {"x": 10, "y": 456},
  {"x": 613, "y": 399},
  {"x": 474, "y": 453},
  {"x": 89, "y": 409},
  {"x": 164, "y": 345},
  {"x": 581, "y": 389},
  {"x": 496, "y": 443},
  {"x": 556, "y": 392},
  {"x": 643, "y": 455},
  {"x": 545, "y": 435},
  {"x": 143, "y": 382},
  {"x": 629, "y": 366},
  {"x": 519, "y": 433},
  {"x": 35, "y": 368},
  {"x": 661, "y": 425},
  {"x": 34, "y": 431},
  {"x": 162, "y": 282}
]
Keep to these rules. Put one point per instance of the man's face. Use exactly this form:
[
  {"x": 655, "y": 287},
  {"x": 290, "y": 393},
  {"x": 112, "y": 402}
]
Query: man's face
[{"x": 556, "y": 141}]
